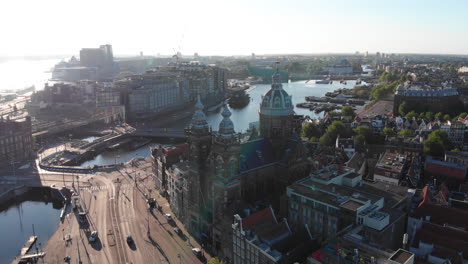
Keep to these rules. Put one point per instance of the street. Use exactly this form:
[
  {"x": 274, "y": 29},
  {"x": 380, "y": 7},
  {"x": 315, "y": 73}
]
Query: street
[{"x": 116, "y": 207}]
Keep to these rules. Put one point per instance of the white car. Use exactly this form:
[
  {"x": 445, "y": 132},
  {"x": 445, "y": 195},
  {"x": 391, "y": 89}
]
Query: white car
[
  {"x": 196, "y": 251},
  {"x": 168, "y": 216},
  {"x": 93, "y": 236}
]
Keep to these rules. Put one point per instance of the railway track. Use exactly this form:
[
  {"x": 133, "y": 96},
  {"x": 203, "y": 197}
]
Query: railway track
[{"x": 118, "y": 236}]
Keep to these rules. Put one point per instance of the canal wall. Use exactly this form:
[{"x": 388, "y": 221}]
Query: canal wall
[{"x": 19, "y": 194}]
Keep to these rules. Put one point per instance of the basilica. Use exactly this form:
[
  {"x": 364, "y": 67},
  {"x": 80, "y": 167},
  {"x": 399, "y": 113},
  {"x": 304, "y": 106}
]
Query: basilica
[{"x": 215, "y": 174}]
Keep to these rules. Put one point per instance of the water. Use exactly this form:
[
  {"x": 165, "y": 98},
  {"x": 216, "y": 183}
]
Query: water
[
  {"x": 21, "y": 73},
  {"x": 16, "y": 227},
  {"x": 119, "y": 156},
  {"x": 299, "y": 90}
]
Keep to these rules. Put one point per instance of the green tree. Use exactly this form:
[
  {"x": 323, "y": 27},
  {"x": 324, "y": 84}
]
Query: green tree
[
  {"x": 462, "y": 115},
  {"x": 326, "y": 140},
  {"x": 310, "y": 130},
  {"x": 429, "y": 115},
  {"x": 436, "y": 143},
  {"x": 388, "y": 132},
  {"x": 411, "y": 114},
  {"x": 363, "y": 132},
  {"x": 405, "y": 133},
  {"x": 439, "y": 116},
  {"x": 337, "y": 127},
  {"x": 403, "y": 109},
  {"x": 421, "y": 115},
  {"x": 446, "y": 117},
  {"x": 215, "y": 261},
  {"x": 314, "y": 139},
  {"x": 348, "y": 111}
]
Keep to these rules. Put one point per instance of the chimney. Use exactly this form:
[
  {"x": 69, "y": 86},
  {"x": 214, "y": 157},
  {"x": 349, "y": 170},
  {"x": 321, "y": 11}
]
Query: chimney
[{"x": 428, "y": 218}]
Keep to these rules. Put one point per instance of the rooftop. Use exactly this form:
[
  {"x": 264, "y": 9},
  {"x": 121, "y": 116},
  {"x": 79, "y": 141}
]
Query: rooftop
[
  {"x": 391, "y": 161},
  {"x": 401, "y": 256}
]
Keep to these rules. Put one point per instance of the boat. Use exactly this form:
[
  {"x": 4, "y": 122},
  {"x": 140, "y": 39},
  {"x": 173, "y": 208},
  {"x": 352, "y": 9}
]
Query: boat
[
  {"x": 239, "y": 99},
  {"x": 358, "y": 81},
  {"x": 323, "y": 81},
  {"x": 139, "y": 143}
]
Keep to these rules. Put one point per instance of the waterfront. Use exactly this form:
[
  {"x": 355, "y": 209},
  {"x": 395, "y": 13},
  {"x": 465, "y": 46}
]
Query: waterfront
[
  {"x": 119, "y": 156},
  {"x": 298, "y": 90},
  {"x": 22, "y": 73},
  {"x": 19, "y": 220}
]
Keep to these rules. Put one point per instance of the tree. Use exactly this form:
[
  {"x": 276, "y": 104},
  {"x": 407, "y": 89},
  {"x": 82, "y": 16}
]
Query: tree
[
  {"x": 363, "y": 132},
  {"x": 335, "y": 128},
  {"x": 215, "y": 261},
  {"x": 403, "y": 109},
  {"x": 348, "y": 111},
  {"x": 411, "y": 114},
  {"x": 429, "y": 115},
  {"x": 405, "y": 133},
  {"x": 388, "y": 132},
  {"x": 439, "y": 116},
  {"x": 462, "y": 115},
  {"x": 436, "y": 143},
  {"x": 446, "y": 117},
  {"x": 314, "y": 139},
  {"x": 421, "y": 115},
  {"x": 310, "y": 130},
  {"x": 326, "y": 140}
]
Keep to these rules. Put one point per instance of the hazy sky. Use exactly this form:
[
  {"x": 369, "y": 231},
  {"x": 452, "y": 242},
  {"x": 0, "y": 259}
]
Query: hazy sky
[{"x": 209, "y": 27}]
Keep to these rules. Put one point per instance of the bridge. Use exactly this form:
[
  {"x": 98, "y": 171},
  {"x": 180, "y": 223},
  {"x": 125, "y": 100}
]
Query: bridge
[{"x": 158, "y": 132}]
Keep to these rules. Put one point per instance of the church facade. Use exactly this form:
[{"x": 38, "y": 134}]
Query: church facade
[{"x": 215, "y": 175}]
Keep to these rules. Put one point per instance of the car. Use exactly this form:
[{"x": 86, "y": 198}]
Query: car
[
  {"x": 196, "y": 252},
  {"x": 168, "y": 217},
  {"x": 177, "y": 231},
  {"x": 93, "y": 236},
  {"x": 129, "y": 239}
]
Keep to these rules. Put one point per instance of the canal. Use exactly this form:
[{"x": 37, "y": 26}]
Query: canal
[
  {"x": 240, "y": 117},
  {"x": 17, "y": 221}
]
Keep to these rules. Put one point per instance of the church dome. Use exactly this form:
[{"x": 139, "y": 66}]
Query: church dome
[{"x": 276, "y": 101}]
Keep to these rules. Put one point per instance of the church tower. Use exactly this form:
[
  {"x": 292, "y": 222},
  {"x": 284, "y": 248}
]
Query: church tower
[
  {"x": 198, "y": 182},
  {"x": 199, "y": 135},
  {"x": 276, "y": 113},
  {"x": 224, "y": 162}
]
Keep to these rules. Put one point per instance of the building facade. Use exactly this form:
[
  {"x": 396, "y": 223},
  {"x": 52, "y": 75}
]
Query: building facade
[
  {"x": 426, "y": 99},
  {"x": 15, "y": 140},
  {"x": 222, "y": 173}
]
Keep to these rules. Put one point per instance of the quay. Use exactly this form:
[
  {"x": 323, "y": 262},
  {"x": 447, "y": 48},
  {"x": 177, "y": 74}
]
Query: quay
[{"x": 27, "y": 246}]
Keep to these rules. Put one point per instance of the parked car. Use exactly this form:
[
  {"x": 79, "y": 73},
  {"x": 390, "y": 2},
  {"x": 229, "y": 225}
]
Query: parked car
[
  {"x": 177, "y": 231},
  {"x": 129, "y": 240},
  {"x": 168, "y": 217},
  {"x": 196, "y": 252},
  {"x": 93, "y": 236}
]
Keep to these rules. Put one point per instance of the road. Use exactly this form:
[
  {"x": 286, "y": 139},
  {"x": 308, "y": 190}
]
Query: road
[{"x": 117, "y": 207}]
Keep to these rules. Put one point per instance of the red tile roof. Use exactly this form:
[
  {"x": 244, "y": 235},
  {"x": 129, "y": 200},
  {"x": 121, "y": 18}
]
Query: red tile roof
[{"x": 265, "y": 215}]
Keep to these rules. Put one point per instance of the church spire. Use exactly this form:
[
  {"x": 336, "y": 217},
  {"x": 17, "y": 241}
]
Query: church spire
[
  {"x": 226, "y": 127},
  {"x": 276, "y": 78},
  {"x": 199, "y": 123}
]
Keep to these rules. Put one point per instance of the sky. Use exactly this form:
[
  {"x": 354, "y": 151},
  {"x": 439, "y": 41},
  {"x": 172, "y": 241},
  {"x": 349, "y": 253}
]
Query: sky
[{"x": 236, "y": 27}]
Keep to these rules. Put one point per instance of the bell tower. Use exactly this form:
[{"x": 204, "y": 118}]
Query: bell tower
[{"x": 225, "y": 179}]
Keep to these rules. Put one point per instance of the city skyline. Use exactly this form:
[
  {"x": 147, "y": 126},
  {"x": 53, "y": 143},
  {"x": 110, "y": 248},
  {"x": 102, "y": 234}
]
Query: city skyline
[{"x": 210, "y": 28}]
